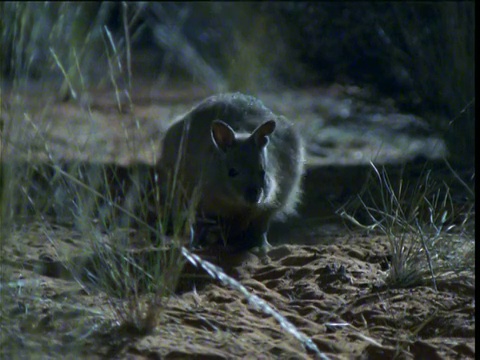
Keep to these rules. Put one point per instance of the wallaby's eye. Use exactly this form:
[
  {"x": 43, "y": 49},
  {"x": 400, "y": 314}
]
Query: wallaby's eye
[{"x": 232, "y": 172}]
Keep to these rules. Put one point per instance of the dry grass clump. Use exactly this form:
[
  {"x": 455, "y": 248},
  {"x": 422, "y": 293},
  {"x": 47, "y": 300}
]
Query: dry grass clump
[{"x": 429, "y": 235}]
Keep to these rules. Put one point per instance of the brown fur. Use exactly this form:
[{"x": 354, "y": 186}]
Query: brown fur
[{"x": 245, "y": 162}]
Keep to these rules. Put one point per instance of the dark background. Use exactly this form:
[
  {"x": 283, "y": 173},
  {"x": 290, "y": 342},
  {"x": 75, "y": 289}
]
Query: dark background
[{"x": 420, "y": 54}]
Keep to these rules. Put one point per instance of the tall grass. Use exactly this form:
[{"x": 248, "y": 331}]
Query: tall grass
[{"x": 40, "y": 185}]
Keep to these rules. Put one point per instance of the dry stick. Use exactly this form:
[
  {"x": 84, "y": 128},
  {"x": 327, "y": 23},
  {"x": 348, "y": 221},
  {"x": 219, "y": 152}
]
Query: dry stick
[{"x": 258, "y": 303}]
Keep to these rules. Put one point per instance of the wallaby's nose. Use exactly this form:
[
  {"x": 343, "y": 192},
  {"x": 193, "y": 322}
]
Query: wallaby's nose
[{"x": 252, "y": 194}]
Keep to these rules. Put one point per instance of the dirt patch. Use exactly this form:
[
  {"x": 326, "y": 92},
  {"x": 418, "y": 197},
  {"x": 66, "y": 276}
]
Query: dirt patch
[
  {"x": 325, "y": 280},
  {"x": 332, "y": 293}
]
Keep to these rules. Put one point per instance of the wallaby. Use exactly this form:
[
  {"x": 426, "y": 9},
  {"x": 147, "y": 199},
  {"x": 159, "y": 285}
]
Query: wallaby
[{"x": 243, "y": 162}]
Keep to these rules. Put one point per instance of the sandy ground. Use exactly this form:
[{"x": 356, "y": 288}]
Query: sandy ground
[{"x": 326, "y": 280}]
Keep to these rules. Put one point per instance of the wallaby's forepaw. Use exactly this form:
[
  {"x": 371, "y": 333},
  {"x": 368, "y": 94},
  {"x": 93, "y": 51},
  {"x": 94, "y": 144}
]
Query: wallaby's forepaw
[
  {"x": 264, "y": 246},
  {"x": 261, "y": 250}
]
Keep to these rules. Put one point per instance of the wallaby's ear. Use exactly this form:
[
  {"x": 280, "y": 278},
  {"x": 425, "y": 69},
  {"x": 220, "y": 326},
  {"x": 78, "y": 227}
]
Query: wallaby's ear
[
  {"x": 223, "y": 135},
  {"x": 261, "y": 133}
]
